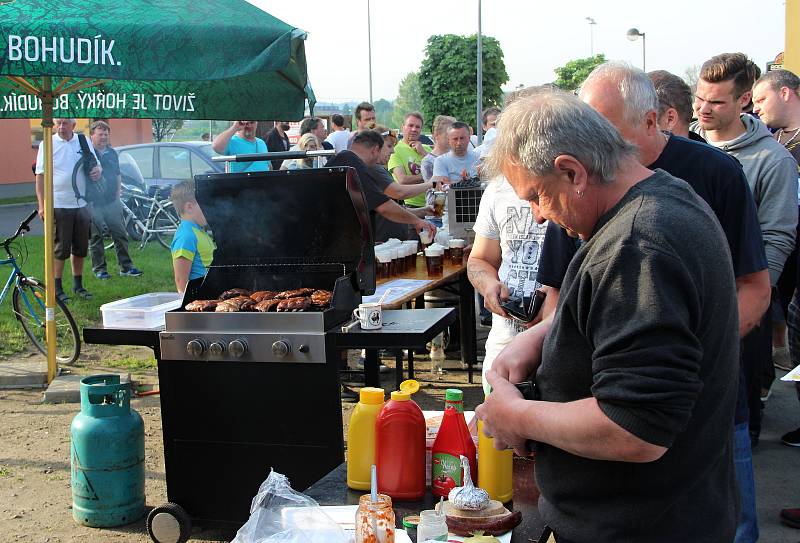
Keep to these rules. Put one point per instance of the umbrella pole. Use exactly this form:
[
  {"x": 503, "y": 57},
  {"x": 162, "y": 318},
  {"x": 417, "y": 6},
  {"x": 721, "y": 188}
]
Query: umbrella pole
[{"x": 49, "y": 230}]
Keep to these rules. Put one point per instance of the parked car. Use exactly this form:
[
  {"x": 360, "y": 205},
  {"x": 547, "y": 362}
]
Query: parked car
[{"x": 167, "y": 163}]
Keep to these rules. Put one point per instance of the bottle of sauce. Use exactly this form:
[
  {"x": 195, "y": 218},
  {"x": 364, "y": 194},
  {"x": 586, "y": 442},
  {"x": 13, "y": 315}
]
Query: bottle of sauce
[
  {"x": 495, "y": 468},
  {"x": 400, "y": 446},
  {"x": 452, "y": 442},
  {"x": 361, "y": 438}
]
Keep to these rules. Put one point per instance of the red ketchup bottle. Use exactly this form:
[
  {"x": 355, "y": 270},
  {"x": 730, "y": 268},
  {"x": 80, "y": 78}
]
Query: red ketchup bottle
[
  {"x": 400, "y": 445},
  {"x": 452, "y": 442}
]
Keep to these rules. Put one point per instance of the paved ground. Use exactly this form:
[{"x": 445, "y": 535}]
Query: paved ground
[{"x": 12, "y": 215}]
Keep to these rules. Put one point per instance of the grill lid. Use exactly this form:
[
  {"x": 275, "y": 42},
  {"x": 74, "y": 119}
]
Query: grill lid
[{"x": 309, "y": 216}]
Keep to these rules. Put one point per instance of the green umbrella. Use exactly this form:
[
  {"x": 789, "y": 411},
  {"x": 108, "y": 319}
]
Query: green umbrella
[{"x": 169, "y": 59}]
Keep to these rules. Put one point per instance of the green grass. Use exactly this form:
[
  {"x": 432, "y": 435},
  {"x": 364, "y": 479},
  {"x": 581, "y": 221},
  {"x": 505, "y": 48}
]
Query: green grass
[
  {"x": 132, "y": 363},
  {"x": 18, "y": 200},
  {"x": 154, "y": 260},
  {"x": 4, "y": 471}
]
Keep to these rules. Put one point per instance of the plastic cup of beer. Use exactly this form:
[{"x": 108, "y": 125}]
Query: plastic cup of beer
[
  {"x": 434, "y": 260},
  {"x": 439, "y": 200},
  {"x": 384, "y": 259},
  {"x": 457, "y": 251}
]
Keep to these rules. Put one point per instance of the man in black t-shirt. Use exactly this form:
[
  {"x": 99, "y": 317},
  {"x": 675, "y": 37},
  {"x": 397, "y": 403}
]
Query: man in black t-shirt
[
  {"x": 365, "y": 153},
  {"x": 277, "y": 140},
  {"x": 719, "y": 180},
  {"x": 106, "y": 208}
]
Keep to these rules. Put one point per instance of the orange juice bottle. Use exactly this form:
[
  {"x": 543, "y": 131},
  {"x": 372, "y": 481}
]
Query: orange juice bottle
[{"x": 361, "y": 438}]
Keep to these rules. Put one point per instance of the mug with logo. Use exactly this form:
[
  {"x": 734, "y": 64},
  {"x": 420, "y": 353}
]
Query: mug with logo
[{"x": 369, "y": 316}]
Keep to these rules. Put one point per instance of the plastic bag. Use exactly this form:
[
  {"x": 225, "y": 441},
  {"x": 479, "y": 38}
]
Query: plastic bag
[{"x": 280, "y": 514}]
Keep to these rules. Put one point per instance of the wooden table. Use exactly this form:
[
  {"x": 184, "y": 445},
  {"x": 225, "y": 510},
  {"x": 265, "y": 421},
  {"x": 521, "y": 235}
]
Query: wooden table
[
  {"x": 332, "y": 490},
  {"x": 453, "y": 277}
]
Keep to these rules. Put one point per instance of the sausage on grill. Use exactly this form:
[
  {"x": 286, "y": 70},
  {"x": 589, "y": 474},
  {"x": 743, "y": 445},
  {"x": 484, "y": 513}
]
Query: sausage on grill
[
  {"x": 296, "y": 293},
  {"x": 202, "y": 305},
  {"x": 233, "y": 293},
  {"x": 263, "y": 295},
  {"x": 269, "y": 304},
  {"x": 294, "y": 304},
  {"x": 231, "y": 305}
]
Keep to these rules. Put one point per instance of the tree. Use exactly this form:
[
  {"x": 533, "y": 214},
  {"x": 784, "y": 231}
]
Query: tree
[
  {"x": 573, "y": 73},
  {"x": 447, "y": 77},
  {"x": 164, "y": 128},
  {"x": 408, "y": 98},
  {"x": 384, "y": 111},
  {"x": 692, "y": 75}
]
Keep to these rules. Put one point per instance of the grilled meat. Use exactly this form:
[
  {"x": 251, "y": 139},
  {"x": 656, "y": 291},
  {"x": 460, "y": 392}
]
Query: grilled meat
[
  {"x": 296, "y": 293},
  {"x": 202, "y": 305},
  {"x": 321, "y": 298},
  {"x": 233, "y": 293},
  {"x": 261, "y": 295},
  {"x": 269, "y": 304},
  {"x": 294, "y": 304},
  {"x": 231, "y": 305}
]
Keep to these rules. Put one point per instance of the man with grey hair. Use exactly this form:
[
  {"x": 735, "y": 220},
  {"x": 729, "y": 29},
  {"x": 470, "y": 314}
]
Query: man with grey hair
[
  {"x": 627, "y": 98},
  {"x": 72, "y": 218},
  {"x": 632, "y": 400}
]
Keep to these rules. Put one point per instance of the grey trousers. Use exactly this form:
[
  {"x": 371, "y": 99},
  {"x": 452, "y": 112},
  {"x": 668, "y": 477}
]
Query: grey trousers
[{"x": 109, "y": 215}]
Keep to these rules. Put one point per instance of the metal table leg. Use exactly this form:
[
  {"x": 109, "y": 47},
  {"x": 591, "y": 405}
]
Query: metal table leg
[
  {"x": 398, "y": 371},
  {"x": 410, "y": 363},
  {"x": 372, "y": 376},
  {"x": 466, "y": 313}
]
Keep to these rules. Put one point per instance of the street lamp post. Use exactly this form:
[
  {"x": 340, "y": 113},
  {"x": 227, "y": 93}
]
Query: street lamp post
[
  {"x": 369, "y": 50},
  {"x": 591, "y": 22},
  {"x": 633, "y": 34}
]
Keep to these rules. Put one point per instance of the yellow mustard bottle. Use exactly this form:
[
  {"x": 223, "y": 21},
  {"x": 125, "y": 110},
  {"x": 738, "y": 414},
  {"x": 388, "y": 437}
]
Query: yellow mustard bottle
[
  {"x": 495, "y": 468},
  {"x": 361, "y": 438}
]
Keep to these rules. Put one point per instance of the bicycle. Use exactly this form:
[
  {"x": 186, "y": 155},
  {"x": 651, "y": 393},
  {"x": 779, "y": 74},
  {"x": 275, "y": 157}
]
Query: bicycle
[
  {"x": 28, "y": 303},
  {"x": 146, "y": 216}
]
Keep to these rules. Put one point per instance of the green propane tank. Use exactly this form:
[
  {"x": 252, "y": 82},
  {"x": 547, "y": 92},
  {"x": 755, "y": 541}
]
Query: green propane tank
[{"x": 107, "y": 455}]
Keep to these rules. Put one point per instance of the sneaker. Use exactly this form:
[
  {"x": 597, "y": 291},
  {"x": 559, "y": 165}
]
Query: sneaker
[
  {"x": 131, "y": 272},
  {"x": 780, "y": 358},
  {"x": 791, "y": 438},
  {"x": 791, "y": 517},
  {"x": 62, "y": 297},
  {"x": 765, "y": 394},
  {"x": 82, "y": 293},
  {"x": 102, "y": 275}
]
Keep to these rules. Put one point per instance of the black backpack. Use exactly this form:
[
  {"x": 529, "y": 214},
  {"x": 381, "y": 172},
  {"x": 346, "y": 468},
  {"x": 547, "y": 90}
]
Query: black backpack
[{"x": 95, "y": 190}]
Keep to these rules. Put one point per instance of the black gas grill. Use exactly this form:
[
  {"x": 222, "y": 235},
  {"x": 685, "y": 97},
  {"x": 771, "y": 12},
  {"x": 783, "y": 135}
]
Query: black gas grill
[{"x": 245, "y": 392}]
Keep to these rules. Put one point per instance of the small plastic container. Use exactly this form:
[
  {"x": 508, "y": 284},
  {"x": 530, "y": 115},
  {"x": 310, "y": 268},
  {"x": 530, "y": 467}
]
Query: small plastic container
[
  {"x": 142, "y": 311},
  {"x": 432, "y": 525}
]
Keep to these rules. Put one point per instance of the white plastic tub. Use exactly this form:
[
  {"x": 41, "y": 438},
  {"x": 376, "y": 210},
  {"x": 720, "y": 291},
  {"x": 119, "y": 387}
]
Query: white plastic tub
[{"x": 143, "y": 311}]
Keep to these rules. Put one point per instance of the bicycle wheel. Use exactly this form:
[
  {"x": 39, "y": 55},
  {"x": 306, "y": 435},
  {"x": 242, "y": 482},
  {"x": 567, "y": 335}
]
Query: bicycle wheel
[
  {"x": 165, "y": 223},
  {"x": 28, "y": 301}
]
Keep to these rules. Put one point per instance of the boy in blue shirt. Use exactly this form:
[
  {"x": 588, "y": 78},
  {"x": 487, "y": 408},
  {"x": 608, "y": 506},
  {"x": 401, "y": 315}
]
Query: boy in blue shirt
[{"x": 192, "y": 247}]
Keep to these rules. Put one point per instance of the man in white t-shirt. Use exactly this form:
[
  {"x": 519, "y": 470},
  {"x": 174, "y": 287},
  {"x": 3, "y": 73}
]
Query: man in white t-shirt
[
  {"x": 461, "y": 162},
  {"x": 339, "y": 135},
  {"x": 504, "y": 260},
  {"x": 72, "y": 218}
]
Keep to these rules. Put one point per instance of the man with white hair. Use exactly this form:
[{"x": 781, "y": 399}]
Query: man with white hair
[
  {"x": 626, "y": 97},
  {"x": 631, "y": 418},
  {"x": 73, "y": 221}
]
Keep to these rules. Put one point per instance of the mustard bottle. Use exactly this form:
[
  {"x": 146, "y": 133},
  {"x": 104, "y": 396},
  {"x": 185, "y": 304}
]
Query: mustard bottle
[
  {"x": 361, "y": 437},
  {"x": 495, "y": 468}
]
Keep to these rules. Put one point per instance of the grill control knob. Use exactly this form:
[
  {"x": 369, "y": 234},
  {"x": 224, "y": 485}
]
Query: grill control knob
[
  {"x": 303, "y": 349},
  {"x": 237, "y": 348},
  {"x": 216, "y": 348},
  {"x": 196, "y": 347},
  {"x": 281, "y": 348}
]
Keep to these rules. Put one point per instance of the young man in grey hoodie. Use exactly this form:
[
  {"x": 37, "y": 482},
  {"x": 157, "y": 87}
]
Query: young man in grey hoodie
[{"x": 724, "y": 89}]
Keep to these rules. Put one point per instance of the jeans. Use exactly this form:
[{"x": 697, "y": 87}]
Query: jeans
[
  {"x": 111, "y": 215},
  {"x": 747, "y": 530}
]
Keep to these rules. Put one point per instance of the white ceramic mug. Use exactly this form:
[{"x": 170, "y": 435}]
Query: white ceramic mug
[{"x": 369, "y": 316}]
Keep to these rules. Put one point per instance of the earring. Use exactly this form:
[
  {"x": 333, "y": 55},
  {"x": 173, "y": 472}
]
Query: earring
[{"x": 579, "y": 193}]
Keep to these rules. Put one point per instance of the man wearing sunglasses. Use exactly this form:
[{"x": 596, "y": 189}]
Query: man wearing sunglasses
[{"x": 240, "y": 139}]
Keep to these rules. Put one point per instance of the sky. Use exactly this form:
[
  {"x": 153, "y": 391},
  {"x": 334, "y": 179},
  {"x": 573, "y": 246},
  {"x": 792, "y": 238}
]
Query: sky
[{"x": 536, "y": 37}]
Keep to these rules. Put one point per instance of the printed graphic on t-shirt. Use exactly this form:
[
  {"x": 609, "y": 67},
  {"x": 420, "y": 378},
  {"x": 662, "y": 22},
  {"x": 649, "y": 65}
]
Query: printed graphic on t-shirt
[{"x": 521, "y": 241}]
